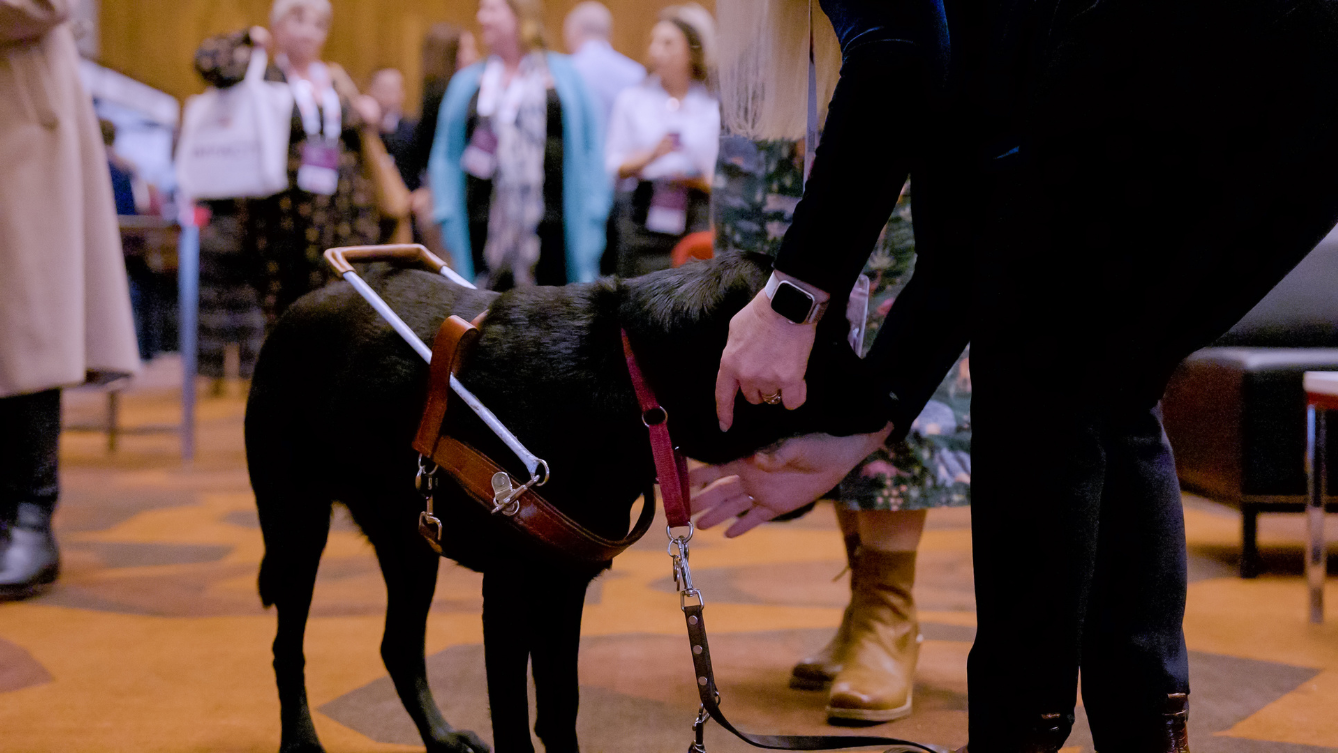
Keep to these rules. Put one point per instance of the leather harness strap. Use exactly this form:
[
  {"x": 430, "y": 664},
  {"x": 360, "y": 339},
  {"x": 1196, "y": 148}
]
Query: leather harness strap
[
  {"x": 454, "y": 335},
  {"x": 487, "y": 482},
  {"x": 534, "y": 515}
]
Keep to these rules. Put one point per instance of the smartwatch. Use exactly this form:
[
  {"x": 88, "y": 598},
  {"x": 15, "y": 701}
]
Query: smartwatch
[{"x": 793, "y": 302}]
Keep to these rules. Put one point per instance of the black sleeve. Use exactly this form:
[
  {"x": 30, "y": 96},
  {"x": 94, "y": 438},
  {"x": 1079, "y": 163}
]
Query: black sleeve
[
  {"x": 894, "y": 62},
  {"x": 426, "y": 130},
  {"x": 890, "y": 116}
]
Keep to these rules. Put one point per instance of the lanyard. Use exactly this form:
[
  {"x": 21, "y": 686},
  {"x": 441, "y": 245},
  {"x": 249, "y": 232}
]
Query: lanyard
[
  {"x": 311, "y": 115},
  {"x": 498, "y": 101},
  {"x": 811, "y": 132}
]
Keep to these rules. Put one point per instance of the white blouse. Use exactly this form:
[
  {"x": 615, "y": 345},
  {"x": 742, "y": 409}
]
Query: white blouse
[{"x": 644, "y": 114}]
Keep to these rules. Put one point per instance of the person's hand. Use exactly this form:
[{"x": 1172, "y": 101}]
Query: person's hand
[
  {"x": 632, "y": 167},
  {"x": 420, "y": 202},
  {"x": 260, "y": 37},
  {"x": 778, "y": 481},
  {"x": 766, "y": 356},
  {"x": 369, "y": 110},
  {"x": 666, "y": 145}
]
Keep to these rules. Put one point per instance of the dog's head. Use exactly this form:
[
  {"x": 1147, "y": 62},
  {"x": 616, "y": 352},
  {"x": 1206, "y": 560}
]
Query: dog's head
[{"x": 678, "y": 322}]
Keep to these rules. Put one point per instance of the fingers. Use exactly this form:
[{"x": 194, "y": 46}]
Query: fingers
[
  {"x": 755, "y": 517},
  {"x": 726, "y": 502},
  {"x": 795, "y": 394},
  {"x": 710, "y": 495},
  {"x": 726, "y": 387},
  {"x": 703, "y": 476}
]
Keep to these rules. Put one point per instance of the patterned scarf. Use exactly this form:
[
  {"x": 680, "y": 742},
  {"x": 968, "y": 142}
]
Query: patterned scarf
[{"x": 519, "y": 116}]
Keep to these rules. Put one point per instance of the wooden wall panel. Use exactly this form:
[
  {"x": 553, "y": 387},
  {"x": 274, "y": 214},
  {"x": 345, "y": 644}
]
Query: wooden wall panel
[{"x": 155, "y": 40}]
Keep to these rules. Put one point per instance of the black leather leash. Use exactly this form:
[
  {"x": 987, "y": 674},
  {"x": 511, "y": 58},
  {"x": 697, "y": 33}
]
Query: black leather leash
[
  {"x": 671, "y": 471},
  {"x": 710, "y": 695}
]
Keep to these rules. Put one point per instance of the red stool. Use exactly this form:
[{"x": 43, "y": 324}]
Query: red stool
[{"x": 700, "y": 245}]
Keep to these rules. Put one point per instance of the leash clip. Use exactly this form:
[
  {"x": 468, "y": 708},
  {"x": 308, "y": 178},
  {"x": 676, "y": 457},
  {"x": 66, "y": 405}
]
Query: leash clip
[
  {"x": 426, "y": 482},
  {"x": 678, "y": 552},
  {"x": 699, "y": 731}
]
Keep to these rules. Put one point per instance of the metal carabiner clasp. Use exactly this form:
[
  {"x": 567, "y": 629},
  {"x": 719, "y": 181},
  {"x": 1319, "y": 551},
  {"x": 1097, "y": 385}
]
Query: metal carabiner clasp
[
  {"x": 699, "y": 732},
  {"x": 425, "y": 481},
  {"x": 678, "y": 553}
]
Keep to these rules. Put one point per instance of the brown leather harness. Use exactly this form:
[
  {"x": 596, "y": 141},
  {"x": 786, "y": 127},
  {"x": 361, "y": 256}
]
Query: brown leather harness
[{"x": 486, "y": 482}]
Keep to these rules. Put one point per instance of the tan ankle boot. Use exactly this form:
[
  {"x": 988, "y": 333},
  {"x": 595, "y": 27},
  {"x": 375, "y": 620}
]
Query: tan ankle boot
[
  {"x": 816, "y": 672},
  {"x": 878, "y": 666}
]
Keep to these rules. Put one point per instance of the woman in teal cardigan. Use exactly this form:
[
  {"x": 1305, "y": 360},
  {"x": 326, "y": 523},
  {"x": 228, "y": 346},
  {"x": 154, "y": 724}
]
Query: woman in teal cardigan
[{"x": 503, "y": 220}]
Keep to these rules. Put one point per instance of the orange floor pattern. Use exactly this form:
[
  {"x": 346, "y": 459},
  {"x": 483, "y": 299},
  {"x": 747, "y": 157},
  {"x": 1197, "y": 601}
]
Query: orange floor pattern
[{"x": 154, "y": 638}]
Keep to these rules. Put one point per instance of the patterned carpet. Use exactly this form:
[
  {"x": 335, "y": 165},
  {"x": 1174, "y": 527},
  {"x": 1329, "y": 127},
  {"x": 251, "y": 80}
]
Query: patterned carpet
[{"x": 154, "y": 638}]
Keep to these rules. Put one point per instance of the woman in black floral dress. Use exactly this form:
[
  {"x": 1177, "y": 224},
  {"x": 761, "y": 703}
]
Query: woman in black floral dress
[
  {"x": 870, "y": 663},
  {"x": 263, "y": 254}
]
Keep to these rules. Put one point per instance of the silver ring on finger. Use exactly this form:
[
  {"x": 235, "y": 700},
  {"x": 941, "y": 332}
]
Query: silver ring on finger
[{"x": 772, "y": 399}]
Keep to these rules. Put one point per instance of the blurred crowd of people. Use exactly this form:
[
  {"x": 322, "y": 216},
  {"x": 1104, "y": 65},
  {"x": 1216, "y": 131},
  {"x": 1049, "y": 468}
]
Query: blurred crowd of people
[{"x": 523, "y": 166}]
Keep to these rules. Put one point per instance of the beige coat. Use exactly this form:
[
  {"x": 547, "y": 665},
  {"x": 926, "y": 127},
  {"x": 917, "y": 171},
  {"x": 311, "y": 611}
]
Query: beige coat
[{"x": 64, "y": 300}]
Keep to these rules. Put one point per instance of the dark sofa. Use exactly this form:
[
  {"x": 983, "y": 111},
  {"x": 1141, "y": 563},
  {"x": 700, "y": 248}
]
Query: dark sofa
[{"x": 1235, "y": 412}]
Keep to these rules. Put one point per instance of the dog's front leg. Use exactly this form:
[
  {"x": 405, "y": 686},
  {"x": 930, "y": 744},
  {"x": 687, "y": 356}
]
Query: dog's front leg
[
  {"x": 506, "y": 649},
  {"x": 556, "y": 629},
  {"x": 410, "y": 571}
]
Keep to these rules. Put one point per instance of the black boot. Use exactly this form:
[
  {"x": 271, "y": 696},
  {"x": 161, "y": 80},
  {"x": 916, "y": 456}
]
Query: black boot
[
  {"x": 29, "y": 562},
  {"x": 1046, "y": 735}
]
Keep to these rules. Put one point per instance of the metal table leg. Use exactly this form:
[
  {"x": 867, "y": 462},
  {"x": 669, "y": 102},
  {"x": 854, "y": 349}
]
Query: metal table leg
[{"x": 1317, "y": 480}]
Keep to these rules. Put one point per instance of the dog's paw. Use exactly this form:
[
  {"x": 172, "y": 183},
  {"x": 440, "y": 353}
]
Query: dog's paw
[{"x": 463, "y": 741}]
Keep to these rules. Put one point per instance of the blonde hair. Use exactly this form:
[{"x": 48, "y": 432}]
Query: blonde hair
[
  {"x": 530, "y": 15},
  {"x": 763, "y": 65},
  {"x": 282, "y": 8}
]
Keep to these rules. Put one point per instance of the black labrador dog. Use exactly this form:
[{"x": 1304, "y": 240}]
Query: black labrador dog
[{"x": 335, "y": 403}]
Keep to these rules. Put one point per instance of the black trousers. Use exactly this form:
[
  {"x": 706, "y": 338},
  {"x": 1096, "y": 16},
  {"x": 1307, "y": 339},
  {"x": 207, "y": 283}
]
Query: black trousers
[
  {"x": 1173, "y": 162},
  {"x": 29, "y": 443}
]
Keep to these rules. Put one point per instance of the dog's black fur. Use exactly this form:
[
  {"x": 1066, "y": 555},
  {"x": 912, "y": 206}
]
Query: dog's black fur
[{"x": 336, "y": 400}]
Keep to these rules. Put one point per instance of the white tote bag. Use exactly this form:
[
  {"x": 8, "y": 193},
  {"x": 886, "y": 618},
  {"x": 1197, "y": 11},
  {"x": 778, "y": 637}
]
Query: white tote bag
[{"x": 234, "y": 141}]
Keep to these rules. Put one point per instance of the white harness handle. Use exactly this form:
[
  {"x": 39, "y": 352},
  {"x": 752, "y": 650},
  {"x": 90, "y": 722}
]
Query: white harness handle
[{"x": 340, "y": 258}]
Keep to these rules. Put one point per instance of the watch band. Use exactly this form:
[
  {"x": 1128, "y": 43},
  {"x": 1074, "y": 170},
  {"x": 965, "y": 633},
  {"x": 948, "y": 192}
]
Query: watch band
[{"x": 815, "y": 309}]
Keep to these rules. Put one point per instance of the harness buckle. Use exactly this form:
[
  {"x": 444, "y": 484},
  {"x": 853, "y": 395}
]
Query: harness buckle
[{"x": 506, "y": 495}]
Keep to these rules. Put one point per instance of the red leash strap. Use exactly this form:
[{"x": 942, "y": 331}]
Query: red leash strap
[{"x": 670, "y": 466}]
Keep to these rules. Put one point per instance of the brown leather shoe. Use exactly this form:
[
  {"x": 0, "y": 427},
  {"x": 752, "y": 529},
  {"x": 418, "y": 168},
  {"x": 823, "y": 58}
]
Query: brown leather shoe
[
  {"x": 1176, "y": 718},
  {"x": 816, "y": 672},
  {"x": 875, "y": 681}
]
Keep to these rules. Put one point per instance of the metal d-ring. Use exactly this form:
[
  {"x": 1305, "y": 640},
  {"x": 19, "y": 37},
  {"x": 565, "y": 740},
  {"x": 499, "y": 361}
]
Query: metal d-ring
[
  {"x": 669, "y": 531},
  {"x": 660, "y": 416}
]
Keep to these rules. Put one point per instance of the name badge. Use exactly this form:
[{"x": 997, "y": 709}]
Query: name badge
[
  {"x": 480, "y": 157},
  {"x": 668, "y": 211},
  {"x": 319, "y": 173}
]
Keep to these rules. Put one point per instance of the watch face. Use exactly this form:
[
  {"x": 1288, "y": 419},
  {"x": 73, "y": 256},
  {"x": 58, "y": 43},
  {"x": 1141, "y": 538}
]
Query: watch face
[{"x": 791, "y": 303}]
